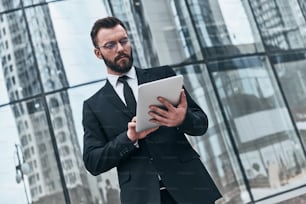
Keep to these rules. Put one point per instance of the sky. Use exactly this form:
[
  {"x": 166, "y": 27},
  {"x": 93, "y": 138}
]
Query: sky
[{"x": 237, "y": 22}]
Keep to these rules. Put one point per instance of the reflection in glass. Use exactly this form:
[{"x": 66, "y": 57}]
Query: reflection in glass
[
  {"x": 214, "y": 147},
  {"x": 291, "y": 71},
  {"x": 281, "y": 23},
  {"x": 37, "y": 150},
  {"x": 139, "y": 33},
  {"x": 73, "y": 39},
  {"x": 68, "y": 147},
  {"x": 15, "y": 193},
  {"x": 98, "y": 185},
  {"x": 186, "y": 31},
  {"x": 271, "y": 154},
  {"x": 3, "y": 90},
  {"x": 224, "y": 32},
  {"x": 18, "y": 64},
  {"x": 8, "y": 5},
  {"x": 47, "y": 57}
]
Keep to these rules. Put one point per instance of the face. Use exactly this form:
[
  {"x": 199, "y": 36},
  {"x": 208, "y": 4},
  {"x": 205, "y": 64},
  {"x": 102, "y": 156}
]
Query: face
[{"x": 115, "y": 49}]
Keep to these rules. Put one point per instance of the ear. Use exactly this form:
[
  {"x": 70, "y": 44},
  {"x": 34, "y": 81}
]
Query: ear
[{"x": 98, "y": 53}]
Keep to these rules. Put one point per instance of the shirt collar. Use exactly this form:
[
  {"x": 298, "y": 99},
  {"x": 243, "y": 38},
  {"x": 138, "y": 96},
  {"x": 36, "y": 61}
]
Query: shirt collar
[{"x": 113, "y": 79}]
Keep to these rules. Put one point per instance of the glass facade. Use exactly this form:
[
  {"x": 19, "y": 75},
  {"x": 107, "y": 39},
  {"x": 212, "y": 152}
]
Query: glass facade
[{"x": 246, "y": 69}]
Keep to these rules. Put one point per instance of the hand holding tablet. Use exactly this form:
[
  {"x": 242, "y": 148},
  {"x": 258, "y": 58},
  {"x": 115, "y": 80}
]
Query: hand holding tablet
[{"x": 168, "y": 88}]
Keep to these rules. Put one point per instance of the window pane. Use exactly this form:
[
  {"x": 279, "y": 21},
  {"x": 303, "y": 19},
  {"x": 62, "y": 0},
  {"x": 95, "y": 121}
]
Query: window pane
[
  {"x": 291, "y": 70},
  {"x": 161, "y": 32},
  {"x": 97, "y": 184},
  {"x": 19, "y": 69},
  {"x": 12, "y": 192},
  {"x": 6, "y": 5},
  {"x": 47, "y": 54},
  {"x": 68, "y": 147},
  {"x": 74, "y": 43},
  {"x": 138, "y": 30},
  {"x": 281, "y": 23},
  {"x": 223, "y": 32},
  {"x": 215, "y": 147},
  {"x": 268, "y": 145},
  {"x": 32, "y": 130}
]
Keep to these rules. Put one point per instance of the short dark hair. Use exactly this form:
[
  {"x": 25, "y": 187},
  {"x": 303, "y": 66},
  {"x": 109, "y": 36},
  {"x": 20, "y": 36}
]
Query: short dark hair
[{"x": 107, "y": 22}]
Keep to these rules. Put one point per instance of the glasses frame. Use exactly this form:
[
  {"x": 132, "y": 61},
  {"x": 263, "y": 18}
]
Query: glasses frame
[{"x": 113, "y": 45}]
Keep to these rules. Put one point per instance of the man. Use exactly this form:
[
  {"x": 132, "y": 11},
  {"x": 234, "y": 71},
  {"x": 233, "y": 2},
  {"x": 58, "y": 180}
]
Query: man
[{"x": 157, "y": 165}]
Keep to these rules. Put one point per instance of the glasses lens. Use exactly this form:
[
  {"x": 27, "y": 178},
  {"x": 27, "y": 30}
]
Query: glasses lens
[{"x": 110, "y": 45}]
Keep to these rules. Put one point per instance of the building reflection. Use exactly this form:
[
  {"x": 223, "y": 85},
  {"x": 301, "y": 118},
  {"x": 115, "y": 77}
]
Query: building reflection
[{"x": 32, "y": 66}]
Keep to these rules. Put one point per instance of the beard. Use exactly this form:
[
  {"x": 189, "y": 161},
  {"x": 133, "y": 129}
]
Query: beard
[{"x": 122, "y": 67}]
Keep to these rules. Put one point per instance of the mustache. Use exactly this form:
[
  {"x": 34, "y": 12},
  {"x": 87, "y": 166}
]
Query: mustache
[{"x": 121, "y": 55}]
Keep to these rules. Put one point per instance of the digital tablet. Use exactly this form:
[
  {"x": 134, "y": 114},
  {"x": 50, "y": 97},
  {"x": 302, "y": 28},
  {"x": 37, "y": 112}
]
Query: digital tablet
[{"x": 169, "y": 88}]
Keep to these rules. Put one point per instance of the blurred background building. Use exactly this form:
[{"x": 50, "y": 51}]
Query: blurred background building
[{"x": 243, "y": 61}]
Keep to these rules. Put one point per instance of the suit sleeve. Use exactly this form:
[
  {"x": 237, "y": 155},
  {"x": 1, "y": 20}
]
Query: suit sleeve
[
  {"x": 99, "y": 154},
  {"x": 196, "y": 121}
]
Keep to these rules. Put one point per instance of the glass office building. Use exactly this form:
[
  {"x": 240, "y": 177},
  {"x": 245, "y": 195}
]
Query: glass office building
[{"x": 243, "y": 61}]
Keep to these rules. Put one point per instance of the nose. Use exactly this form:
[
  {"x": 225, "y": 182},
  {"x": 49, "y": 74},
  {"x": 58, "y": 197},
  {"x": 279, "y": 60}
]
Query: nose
[{"x": 119, "y": 47}]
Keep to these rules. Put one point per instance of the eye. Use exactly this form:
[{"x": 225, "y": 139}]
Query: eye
[
  {"x": 110, "y": 45},
  {"x": 124, "y": 41}
]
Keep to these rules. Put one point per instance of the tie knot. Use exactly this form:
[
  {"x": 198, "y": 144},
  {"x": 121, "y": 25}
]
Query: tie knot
[{"x": 123, "y": 78}]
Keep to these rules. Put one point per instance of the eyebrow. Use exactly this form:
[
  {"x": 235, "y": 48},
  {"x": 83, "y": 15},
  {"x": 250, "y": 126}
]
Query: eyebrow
[{"x": 113, "y": 41}]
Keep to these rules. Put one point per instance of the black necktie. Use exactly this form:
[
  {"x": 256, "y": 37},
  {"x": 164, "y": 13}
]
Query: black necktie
[{"x": 128, "y": 94}]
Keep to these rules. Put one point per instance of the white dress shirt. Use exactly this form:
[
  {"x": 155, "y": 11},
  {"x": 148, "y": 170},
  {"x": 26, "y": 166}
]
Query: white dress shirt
[{"x": 118, "y": 87}]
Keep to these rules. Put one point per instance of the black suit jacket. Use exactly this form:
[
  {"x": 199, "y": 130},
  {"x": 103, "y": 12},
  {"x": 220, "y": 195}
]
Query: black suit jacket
[{"x": 166, "y": 151}]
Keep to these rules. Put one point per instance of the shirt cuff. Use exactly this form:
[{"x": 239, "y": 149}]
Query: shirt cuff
[{"x": 136, "y": 144}]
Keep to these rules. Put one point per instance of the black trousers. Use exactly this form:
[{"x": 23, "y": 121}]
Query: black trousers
[{"x": 165, "y": 197}]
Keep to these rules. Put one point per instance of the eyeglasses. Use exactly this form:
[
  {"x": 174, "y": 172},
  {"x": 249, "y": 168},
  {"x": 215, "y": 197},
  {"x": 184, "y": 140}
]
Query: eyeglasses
[{"x": 112, "y": 45}]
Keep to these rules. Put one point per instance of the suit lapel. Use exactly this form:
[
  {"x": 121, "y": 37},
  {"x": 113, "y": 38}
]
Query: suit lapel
[
  {"x": 112, "y": 97},
  {"x": 143, "y": 76}
]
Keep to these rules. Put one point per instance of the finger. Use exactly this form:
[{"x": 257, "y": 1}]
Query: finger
[
  {"x": 133, "y": 119},
  {"x": 183, "y": 99},
  {"x": 166, "y": 103},
  {"x": 158, "y": 119},
  {"x": 158, "y": 116},
  {"x": 158, "y": 110},
  {"x": 132, "y": 124}
]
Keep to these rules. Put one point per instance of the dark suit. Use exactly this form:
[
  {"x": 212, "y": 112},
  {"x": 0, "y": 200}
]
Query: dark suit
[{"x": 165, "y": 152}]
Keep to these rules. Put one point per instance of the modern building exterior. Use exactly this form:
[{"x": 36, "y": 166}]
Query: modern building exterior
[
  {"x": 243, "y": 61},
  {"x": 255, "y": 147},
  {"x": 32, "y": 66}
]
